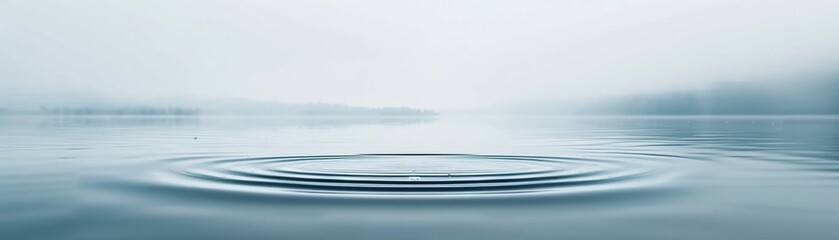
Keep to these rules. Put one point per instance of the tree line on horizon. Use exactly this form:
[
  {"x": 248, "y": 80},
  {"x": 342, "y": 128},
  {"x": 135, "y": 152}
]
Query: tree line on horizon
[{"x": 802, "y": 97}]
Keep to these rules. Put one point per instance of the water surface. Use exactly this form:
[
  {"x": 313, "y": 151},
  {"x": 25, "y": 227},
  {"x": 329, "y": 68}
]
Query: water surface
[{"x": 419, "y": 178}]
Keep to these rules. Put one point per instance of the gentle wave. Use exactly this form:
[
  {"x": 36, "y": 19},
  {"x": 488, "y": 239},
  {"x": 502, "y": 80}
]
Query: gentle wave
[{"x": 408, "y": 174}]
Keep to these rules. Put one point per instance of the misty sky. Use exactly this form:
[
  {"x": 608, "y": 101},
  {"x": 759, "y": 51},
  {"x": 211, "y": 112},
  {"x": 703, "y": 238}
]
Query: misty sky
[{"x": 431, "y": 54}]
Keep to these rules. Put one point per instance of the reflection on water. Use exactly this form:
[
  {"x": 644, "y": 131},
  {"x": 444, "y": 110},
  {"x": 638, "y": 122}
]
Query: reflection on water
[
  {"x": 409, "y": 178},
  {"x": 136, "y": 121},
  {"x": 118, "y": 121}
]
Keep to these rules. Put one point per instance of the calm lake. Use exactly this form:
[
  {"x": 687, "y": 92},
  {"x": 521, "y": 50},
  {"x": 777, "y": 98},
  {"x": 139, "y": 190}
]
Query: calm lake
[{"x": 419, "y": 178}]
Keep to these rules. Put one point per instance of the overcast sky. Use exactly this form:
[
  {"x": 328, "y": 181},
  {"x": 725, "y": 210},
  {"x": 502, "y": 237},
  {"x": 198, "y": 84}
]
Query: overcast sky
[{"x": 431, "y": 54}]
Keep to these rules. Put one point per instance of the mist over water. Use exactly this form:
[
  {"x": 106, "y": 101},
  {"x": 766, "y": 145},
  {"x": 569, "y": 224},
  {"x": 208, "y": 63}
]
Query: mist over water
[
  {"x": 437, "y": 55},
  {"x": 456, "y": 119}
]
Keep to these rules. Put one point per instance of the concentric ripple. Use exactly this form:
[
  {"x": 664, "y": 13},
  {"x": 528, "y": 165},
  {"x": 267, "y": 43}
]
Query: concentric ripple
[{"x": 411, "y": 173}]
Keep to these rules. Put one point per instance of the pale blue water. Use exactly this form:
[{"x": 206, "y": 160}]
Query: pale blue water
[{"x": 427, "y": 178}]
